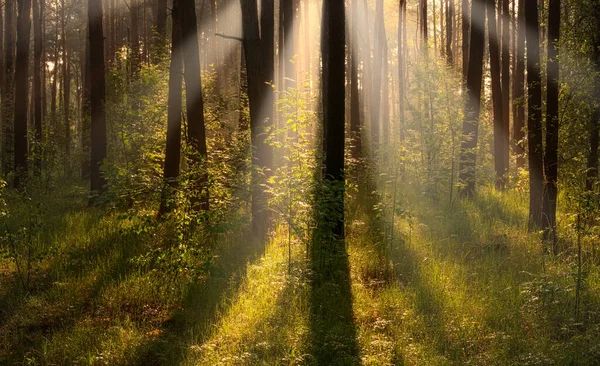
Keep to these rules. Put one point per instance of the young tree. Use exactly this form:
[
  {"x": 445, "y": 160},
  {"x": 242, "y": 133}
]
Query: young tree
[
  {"x": 534, "y": 115},
  {"x": 97, "y": 97},
  {"x": 468, "y": 155},
  {"x": 22, "y": 91},
  {"x": 333, "y": 47},
  {"x": 551, "y": 149}
]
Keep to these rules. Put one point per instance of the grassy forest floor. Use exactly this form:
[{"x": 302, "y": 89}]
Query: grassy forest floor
[{"x": 460, "y": 285}]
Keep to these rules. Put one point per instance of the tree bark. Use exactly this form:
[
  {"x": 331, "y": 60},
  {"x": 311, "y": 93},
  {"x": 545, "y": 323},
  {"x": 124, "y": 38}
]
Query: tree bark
[
  {"x": 333, "y": 53},
  {"x": 97, "y": 98},
  {"x": 468, "y": 155},
  {"x": 449, "y": 33},
  {"x": 37, "y": 86},
  {"x": 194, "y": 101},
  {"x": 134, "y": 12},
  {"x": 552, "y": 127},
  {"x": 534, "y": 115},
  {"x": 66, "y": 88},
  {"x": 466, "y": 27},
  {"x": 505, "y": 88},
  {"x": 8, "y": 92},
  {"x": 494, "y": 40},
  {"x": 86, "y": 112},
  {"x": 22, "y": 92},
  {"x": 288, "y": 41},
  {"x": 173, "y": 151},
  {"x": 519, "y": 90},
  {"x": 355, "y": 126}
]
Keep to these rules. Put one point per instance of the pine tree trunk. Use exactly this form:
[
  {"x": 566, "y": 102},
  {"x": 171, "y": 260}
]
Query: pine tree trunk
[
  {"x": 468, "y": 155},
  {"x": 505, "y": 88},
  {"x": 355, "y": 127},
  {"x": 499, "y": 167},
  {"x": 519, "y": 90},
  {"x": 8, "y": 92},
  {"x": 288, "y": 41},
  {"x": 97, "y": 98},
  {"x": 466, "y": 27},
  {"x": 37, "y": 86},
  {"x": 552, "y": 127},
  {"x": 449, "y": 33},
  {"x": 22, "y": 92},
  {"x": 86, "y": 112},
  {"x": 173, "y": 151},
  {"x": 194, "y": 101},
  {"x": 534, "y": 115}
]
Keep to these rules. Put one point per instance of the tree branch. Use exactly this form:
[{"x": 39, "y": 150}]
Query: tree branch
[{"x": 228, "y": 37}]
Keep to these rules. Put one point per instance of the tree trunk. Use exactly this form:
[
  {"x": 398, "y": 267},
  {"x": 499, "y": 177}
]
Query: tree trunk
[
  {"x": 86, "y": 112},
  {"x": 8, "y": 92},
  {"x": 134, "y": 12},
  {"x": 505, "y": 88},
  {"x": 259, "y": 64},
  {"x": 37, "y": 87},
  {"x": 552, "y": 127},
  {"x": 592, "y": 160},
  {"x": 173, "y": 151},
  {"x": 194, "y": 101},
  {"x": 424, "y": 21},
  {"x": 97, "y": 98},
  {"x": 22, "y": 91},
  {"x": 468, "y": 156},
  {"x": 534, "y": 115},
  {"x": 288, "y": 41},
  {"x": 376, "y": 78},
  {"x": 519, "y": 90},
  {"x": 499, "y": 167},
  {"x": 333, "y": 53},
  {"x": 449, "y": 24},
  {"x": 66, "y": 87},
  {"x": 466, "y": 27},
  {"x": 161, "y": 24},
  {"x": 355, "y": 127}
]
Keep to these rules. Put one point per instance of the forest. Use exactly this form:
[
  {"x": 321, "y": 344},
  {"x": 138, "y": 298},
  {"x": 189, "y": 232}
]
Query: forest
[{"x": 299, "y": 182}]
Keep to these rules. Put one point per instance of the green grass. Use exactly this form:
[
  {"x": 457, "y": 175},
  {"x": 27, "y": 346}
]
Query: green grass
[{"x": 461, "y": 285}]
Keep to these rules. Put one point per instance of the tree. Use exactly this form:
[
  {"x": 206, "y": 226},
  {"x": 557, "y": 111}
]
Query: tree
[
  {"x": 8, "y": 90},
  {"x": 66, "y": 87},
  {"x": 468, "y": 156},
  {"x": 376, "y": 74},
  {"x": 259, "y": 57},
  {"x": 355, "y": 125},
  {"x": 173, "y": 151},
  {"x": 519, "y": 89},
  {"x": 37, "y": 84},
  {"x": 97, "y": 98},
  {"x": 86, "y": 111},
  {"x": 449, "y": 20},
  {"x": 22, "y": 91},
  {"x": 551, "y": 148},
  {"x": 505, "y": 89},
  {"x": 534, "y": 115},
  {"x": 288, "y": 41},
  {"x": 494, "y": 41},
  {"x": 194, "y": 101},
  {"x": 333, "y": 53},
  {"x": 465, "y": 37}
]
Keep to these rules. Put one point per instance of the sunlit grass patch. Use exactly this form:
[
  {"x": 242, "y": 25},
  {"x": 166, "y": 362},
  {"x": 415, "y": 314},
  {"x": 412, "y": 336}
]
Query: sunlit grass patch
[{"x": 266, "y": 322}]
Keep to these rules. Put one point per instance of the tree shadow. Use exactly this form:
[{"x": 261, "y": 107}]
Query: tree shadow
[{"x": 203, "y": 303}]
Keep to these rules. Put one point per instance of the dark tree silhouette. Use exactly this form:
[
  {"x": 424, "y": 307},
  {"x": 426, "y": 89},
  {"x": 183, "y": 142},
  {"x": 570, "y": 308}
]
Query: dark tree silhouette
[
  {"x": 519, "y": 89},
  {"x": 8, "y": 90},
  {"x": 468, "y": 155},
  {"x": 534, "y": 115},
  {"x": 22, "y": 91},
  {"x": 97, "y": 98},
  {"x": 173, "y": 151},
  {"x": 37, "y": 85}
]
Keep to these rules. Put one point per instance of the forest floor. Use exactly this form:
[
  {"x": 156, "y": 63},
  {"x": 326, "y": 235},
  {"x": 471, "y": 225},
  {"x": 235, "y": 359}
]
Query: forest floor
[{"x": 460, "y": 285}]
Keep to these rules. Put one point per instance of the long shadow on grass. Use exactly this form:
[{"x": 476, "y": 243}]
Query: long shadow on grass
[
  {"x": 202, "y": 305},
  {"x": 29, "y": 328}
]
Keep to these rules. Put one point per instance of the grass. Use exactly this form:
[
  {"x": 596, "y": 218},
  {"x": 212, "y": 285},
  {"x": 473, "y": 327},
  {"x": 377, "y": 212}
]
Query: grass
[{"x": 461, "y": 285}]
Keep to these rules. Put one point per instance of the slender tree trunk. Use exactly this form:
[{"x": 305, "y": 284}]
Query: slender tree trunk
[
  {"x": 333, "y": 53},
  {"x": 385, "y": 108},
  {"x": 468, "y": 156},
  {"x": 8, "y": 92},
  {"x": 552, "y": 127},
  {"x": 66, "y": 88},
  {"x": 466, "y": 27},
  {"x": 37, "y": 86},
  {"x": 376, "y": 78},
  {"x": 194, "y": 100},
  {"x": 173, "y": 151},
  {"x": 288, "y": 41},
  {"x": 355, "y": 127},
  {"x": 259, "y": 63},
  {"x": 97, "y": 97},
  {"x": 22, "y": 91},
  {"x": 505, "y": 88},
  {"x": 424, "y": 25},
  {"x": 307, "y": 38},
  {"x": 519, "y": 90},
  {"x": 494, "y": 41},
  {"x": 534, "y": 115},
  {"x": 134, "y": 12},
  {"x": 160, "y": 23},
  {"x": 86, "y": 112},
  {"x": 592, "y": 160},
  {"x": 449, "y": 33}
]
